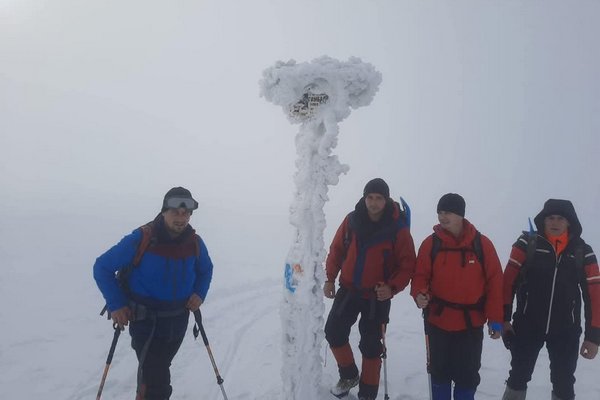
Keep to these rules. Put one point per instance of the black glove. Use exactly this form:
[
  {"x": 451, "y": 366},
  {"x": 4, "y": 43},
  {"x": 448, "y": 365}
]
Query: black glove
[{"x": 508, "y": 338}]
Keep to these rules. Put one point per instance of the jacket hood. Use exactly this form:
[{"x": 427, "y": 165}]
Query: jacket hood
[
  {"x": 362, "y": 224},
  {"x": 563, "y": 208}
]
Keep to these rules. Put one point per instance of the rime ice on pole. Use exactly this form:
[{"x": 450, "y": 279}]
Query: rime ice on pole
[{"x": 316, "y": 95}]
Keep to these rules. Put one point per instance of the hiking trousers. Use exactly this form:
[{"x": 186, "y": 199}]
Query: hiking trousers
[
  {"x": 563, "y": 351},
  {"x": 161, "y": 345},
  {"x": 346, "y": 308},
  {"x": 456, "y": 357}
]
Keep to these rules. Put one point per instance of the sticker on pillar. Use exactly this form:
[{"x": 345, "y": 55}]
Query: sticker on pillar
[{"x": 292, "y": 275}]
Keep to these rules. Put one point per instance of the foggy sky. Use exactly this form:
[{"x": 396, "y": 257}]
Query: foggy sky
[{"x": 105, "y": 105}]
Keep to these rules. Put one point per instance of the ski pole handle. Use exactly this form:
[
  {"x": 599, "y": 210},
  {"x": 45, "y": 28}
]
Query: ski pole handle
[
  {"x": 198, "y": 317},
  {"x": 111, "y": 352},
  {"x": 113, "y": 345}
]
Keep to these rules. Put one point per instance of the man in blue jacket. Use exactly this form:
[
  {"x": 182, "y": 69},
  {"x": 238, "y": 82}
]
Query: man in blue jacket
[{"x": 164, "y": 271}]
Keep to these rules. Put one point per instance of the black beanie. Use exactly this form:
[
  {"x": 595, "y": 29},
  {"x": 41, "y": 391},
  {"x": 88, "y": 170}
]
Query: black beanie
[
  {"x": 452, "y": 202},
  {"x": 178, "y": 192},
  {"x": 377, "y": 185}
]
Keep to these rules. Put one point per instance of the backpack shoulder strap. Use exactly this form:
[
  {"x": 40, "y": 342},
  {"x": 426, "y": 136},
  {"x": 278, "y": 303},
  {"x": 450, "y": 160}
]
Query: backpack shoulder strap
[
  {"x": 347, "y": 240},
  {"x": 436, "y": 244},
  {"x": 531, "y": 246},
  {"x": 197, "y": 244},
  {"x": 478, "y": 249},
  {"x": 579, "y": 256},
  {"x": 144, "y": 244},
  {"x": 530, "y": 251},
  {"x": 348, "y": 236},
  {"x": 579, "y": 260}
]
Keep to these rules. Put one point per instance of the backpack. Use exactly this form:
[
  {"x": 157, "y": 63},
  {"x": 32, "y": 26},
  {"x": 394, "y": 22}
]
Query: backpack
[
  {"x": 530, "y": 257},
  {"x": 123, "y": 273},
  {"x": 148, "y": 239},
  {"x": 403, "y": 219},
  {"x": 476, "y": 247}
]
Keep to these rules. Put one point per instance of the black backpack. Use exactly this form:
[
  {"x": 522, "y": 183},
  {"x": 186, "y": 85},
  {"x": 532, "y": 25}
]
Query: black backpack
[
  {"x": 530, "y": 257},
  {"x": 403, "y": 220},
  {"x": 476, "y": 247}
]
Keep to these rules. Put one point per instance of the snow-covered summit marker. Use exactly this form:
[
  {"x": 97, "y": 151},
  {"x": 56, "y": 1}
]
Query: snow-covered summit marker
[{"x": 318, "y": 95}]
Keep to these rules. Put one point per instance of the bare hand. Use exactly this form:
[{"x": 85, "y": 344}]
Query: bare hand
[
  {"x": 422, "y": 300},
  {"x": 121, "y": 317},
  {"x": 329, "y": 289},
  {"x": 194, "y": 302},
  {"x": 588, "y": 350},
  {"x": 383, "y": 291}
]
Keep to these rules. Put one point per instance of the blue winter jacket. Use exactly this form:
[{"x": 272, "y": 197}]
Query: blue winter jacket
[{"x": 167, "y": 275}]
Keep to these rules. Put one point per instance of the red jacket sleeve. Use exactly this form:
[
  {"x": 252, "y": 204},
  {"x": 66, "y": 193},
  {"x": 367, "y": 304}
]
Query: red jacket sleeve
[
  {"x": 493, "y": 284},
  {"x": 405, "y": 259},
  {"x": 591, "y": 297},
  {"x": 421, "y": 279},
  {"x": 337, "y": 252},
  {"x": 511, "y": 273}
]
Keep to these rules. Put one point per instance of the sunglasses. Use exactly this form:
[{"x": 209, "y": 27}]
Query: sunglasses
[{"x": 181, "y": 202}]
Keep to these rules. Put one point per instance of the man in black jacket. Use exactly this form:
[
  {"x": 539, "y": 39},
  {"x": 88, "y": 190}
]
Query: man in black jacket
[{"x": 551, "y": 271}]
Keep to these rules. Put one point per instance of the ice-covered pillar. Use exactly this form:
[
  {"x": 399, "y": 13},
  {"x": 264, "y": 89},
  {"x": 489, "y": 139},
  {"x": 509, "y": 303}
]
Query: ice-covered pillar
[{"x": 317, "y": 95}]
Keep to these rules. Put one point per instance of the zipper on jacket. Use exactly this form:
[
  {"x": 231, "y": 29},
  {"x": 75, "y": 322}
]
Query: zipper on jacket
[
  {"x": 526, "y": 302},
  {"x": 553, "y": 287}
]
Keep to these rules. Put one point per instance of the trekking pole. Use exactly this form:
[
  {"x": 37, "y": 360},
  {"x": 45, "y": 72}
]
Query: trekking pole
[
  {"x": 426, "y": 329},
  {"x": 200, "y": 328},
  {"x": 384, "y": 357},
  {"x": 111, "y": 352}
]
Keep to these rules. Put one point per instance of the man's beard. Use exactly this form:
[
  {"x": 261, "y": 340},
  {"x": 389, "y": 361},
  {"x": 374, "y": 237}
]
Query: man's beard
[{"x": 176, "y": 230}]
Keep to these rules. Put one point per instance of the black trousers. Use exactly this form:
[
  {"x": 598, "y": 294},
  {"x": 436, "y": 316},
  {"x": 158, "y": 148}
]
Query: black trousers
[
  {"x": 456, "y": 356},
  {"x": 345, "y": 310},
  {"x": 162, "y": 343},
  {"x": 563, "y": 351}
]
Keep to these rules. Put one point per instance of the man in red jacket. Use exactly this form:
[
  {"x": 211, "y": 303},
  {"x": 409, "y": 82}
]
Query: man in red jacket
[
  {"x": 551, "y": 271},
  {"x": 458, "y": 281},
  {"x": 375, "y": 253}
]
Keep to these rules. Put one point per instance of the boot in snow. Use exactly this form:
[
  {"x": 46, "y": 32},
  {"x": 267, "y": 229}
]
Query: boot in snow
[
  {"x": 512, "y": 394},
  {"x": 343, "y": 387},
  {"x": 463, "y": 394},
  {"x": 555, "y": 397},
  {"x": 441, "y": 391}
]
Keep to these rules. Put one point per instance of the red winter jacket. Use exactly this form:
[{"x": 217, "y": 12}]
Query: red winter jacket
[
  {"x": 385, "y": 255},
  {"x": 454, "y": 281}
]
